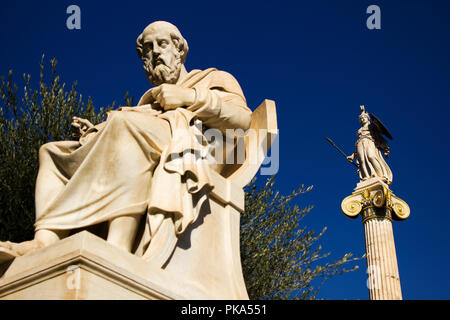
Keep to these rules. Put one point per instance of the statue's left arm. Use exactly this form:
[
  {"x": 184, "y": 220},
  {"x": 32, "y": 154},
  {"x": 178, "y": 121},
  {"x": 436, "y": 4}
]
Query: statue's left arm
[{"x": 220, "y": 103}]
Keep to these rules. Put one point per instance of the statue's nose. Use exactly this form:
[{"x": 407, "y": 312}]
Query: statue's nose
[
  {"x": 156, "y": 49},
  {"x": 155, "y": 55}
]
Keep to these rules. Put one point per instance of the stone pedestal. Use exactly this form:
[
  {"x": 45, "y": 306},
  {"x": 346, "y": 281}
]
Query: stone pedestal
[
  {"x": 378, "y": 206},
  {"x": 84, "y": 266}
]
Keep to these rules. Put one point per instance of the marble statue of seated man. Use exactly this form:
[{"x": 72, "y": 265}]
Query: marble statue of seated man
[{"x": 122, "y": 171}]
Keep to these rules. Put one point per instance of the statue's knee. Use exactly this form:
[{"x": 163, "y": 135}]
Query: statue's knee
[
  {"x": 46, "y": 237},
  {"x": 117, "y": 118},
  {"x": 44, "y": 151}
]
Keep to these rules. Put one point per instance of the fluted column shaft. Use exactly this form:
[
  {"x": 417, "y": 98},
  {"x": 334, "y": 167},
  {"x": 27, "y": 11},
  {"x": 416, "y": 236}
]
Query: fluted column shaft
[{"x": 382, "y": 268}]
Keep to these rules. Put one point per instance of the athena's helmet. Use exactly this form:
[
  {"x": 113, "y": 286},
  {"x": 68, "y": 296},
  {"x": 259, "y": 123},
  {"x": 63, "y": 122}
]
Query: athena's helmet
[{"x": 363, "y": 114}]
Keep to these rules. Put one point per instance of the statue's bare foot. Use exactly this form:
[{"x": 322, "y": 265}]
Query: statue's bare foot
[{"x": 10, "y": 250}]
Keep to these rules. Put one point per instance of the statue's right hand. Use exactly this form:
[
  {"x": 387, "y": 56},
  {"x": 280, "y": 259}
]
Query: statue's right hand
[
  {"x": 350, "y": 158},
  {"x": 80, "y": 126}
]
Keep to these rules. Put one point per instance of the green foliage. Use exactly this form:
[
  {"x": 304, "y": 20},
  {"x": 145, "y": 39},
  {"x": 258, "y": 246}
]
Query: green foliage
[
  {"x": 27, "y": 121},
  {"x": 281, "y": 259}
]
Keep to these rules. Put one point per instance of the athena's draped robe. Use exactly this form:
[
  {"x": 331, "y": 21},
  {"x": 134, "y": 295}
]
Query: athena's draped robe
[
  {"x": 126, "y": 165},
  {"x": 370, "y": 161}
]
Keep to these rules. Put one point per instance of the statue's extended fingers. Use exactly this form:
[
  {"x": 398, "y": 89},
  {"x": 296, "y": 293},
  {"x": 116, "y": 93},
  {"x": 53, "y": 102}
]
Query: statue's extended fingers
[{"x": 86, "y": 122}]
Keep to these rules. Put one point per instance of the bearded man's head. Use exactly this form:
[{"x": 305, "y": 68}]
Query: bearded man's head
[{"x": 163, "y": 50}]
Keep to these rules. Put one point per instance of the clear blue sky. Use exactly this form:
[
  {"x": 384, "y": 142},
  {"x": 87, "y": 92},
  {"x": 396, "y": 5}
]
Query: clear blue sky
[{"x": 319, "y": 62}]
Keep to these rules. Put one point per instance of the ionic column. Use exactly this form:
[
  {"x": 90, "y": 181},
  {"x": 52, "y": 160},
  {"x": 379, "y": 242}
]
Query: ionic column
[{"x": 378, "y": 206}]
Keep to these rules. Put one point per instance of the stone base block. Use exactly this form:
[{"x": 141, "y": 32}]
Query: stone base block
[{"x": 80, "y": 267}]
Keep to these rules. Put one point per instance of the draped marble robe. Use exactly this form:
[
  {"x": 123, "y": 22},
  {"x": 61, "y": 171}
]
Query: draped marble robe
[
  {"x": 370, "y": 161},
  {"x": 141, "y": 160}
]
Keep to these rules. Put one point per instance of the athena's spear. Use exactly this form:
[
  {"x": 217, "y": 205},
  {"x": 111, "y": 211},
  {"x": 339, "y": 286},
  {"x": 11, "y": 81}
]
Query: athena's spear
[{"x": 337, "y": 148}]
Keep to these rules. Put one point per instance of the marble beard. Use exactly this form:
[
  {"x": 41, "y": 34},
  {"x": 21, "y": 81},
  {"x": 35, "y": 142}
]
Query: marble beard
[{"x": 139, "y": 161}]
